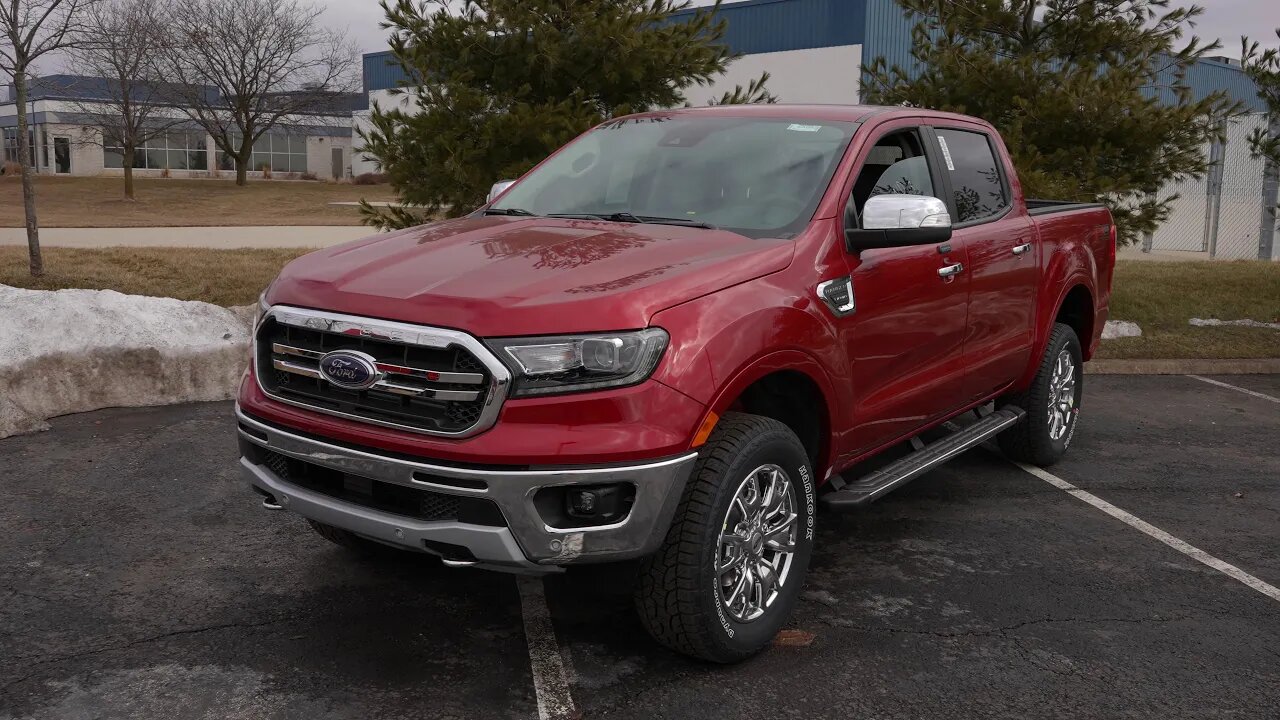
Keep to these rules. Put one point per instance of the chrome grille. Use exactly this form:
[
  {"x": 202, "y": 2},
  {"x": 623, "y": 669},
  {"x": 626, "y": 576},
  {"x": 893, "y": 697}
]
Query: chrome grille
[{"x": 429, "y": 380}]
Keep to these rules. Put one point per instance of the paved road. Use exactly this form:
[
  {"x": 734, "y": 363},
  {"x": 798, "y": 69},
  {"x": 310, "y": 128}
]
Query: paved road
[
  {"x": 139, "y": 579},
  {"x": 211, "y": 237}
]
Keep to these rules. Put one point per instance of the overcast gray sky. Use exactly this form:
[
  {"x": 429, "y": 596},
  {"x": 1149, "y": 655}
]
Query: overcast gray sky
[{"x": 1226, "y": 20}]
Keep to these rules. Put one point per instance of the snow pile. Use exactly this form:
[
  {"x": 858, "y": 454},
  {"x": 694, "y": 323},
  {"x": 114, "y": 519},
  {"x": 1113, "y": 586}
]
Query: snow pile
[
  {"x": 1214, "y": 322},
  {"x": 77, "y": 350},
  {"x": 1120, "y": 329}
]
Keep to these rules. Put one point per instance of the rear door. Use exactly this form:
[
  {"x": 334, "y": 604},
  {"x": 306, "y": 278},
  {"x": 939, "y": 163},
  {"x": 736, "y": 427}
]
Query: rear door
[
  {"x": 904, "y": 338},
  {"x": 1002, "y": 266}
]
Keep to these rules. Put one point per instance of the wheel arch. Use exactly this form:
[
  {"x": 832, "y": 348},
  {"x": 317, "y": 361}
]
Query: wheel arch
[
  {"x": 1076, "y": 310},
  {"x": 792, "y": 388}
]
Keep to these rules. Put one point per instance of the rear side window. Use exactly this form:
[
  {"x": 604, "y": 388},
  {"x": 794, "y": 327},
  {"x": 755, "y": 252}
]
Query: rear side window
[{"x": 975, "y": 177}]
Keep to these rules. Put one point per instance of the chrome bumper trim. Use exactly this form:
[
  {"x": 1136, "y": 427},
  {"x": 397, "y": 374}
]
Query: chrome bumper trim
[
  {"x": 493, "y": 547},
  {"x": 658, "y": 485}
]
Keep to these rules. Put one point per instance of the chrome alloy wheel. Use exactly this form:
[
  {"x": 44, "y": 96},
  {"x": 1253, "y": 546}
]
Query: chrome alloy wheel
[
  {"x": 1062, "y": 395},
  {"x": 757, "y": 543}
]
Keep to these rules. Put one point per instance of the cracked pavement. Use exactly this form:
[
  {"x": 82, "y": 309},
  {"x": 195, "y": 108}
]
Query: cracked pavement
[{"x": 140, "y": 579}]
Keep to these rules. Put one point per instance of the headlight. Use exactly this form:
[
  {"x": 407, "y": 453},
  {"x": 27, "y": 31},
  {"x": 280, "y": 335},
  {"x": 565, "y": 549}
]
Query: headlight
[{"x": 550, "y": 365}]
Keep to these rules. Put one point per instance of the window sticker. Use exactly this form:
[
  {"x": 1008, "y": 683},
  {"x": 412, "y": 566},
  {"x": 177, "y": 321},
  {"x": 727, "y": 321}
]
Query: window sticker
[
  {"x": 804, "y": 128},
  {"x": 946, "y": 154}
]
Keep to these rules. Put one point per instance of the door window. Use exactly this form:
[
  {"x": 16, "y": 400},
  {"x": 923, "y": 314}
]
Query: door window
[
  {"x": 975, "y": 176},
  {"x": 895, "y": 165}
]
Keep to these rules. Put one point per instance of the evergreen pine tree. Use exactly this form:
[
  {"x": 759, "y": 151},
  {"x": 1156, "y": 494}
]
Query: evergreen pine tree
[{"x": 1090, "y": 95}]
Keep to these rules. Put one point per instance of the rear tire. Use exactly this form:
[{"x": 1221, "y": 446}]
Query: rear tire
[
  {"x": 1052, "y": 403},
  {"x": 749, "y": 498}
]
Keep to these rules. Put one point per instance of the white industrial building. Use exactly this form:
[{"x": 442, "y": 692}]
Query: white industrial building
[{"x": 66, "y": 115}]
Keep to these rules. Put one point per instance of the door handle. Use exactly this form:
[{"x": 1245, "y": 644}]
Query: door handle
[
  {"x": 1020, "y": 249},
  {"x": 951, "y": 270}
]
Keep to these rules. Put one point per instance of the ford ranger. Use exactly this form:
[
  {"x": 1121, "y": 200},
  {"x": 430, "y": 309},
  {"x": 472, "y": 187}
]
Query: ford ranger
[{"x": 671, "y": 341}]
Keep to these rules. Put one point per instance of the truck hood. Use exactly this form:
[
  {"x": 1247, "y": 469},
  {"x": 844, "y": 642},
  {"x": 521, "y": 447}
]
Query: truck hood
[{"x": 502, "y": 276}]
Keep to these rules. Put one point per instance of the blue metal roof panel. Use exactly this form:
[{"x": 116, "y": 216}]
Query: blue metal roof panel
[
  {"x": 762, "y": 26},
  {"x": 381, "y": 71}
]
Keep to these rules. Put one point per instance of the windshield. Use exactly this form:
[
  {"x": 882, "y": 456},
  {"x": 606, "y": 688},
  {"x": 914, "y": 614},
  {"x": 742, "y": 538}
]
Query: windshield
[{"x": 759, "y": 177}]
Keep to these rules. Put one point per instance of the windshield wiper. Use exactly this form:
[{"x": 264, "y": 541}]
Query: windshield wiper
[
  {"x": 578, "y": 216},
  {"x": 683, "y": 222},
  {"x": 508, "y": 211},
  {"x": 626, "y": 217}
]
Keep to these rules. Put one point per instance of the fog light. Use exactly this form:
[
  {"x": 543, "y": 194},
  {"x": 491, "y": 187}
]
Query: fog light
[
  {"x": 584, "y": 506},
  {"x": 582, "y": 502},
  {"x": 597, "y": 501}
]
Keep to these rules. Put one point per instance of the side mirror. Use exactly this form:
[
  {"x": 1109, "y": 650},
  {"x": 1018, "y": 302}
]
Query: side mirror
[
  {"x": 499, "y": 188},
  {"x": 900, "y": 220}
]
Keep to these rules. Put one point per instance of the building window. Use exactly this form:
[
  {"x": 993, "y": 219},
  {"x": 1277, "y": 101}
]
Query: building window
[
  {"x": 172, "y": 150},
  {"x": 9, "y": 139},
  {"x": 281, "y": 152}
]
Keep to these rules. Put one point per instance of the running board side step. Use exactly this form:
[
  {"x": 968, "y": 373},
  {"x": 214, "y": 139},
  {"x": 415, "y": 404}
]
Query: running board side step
[{"x": 902, "y": 471}]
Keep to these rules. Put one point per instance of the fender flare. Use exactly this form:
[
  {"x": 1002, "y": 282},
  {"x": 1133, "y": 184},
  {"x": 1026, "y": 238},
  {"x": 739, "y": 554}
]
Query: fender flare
[
  {"x": 792, "y": 360},
  {"x": 1044, "y": 324}
]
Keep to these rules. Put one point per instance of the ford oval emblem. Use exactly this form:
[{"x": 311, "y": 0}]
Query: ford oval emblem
[{"x": 350, "y": 369}]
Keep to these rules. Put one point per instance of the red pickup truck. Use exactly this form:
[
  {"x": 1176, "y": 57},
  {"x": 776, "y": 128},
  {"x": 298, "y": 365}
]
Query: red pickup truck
[{"x": 672, "y": 340}]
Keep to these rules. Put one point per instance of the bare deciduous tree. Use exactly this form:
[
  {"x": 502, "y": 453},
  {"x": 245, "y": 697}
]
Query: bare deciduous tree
[
  {"x": 127, "y": 103},
  {"x": 29, "y": 30},
  {"x": 240, "y": 67}
]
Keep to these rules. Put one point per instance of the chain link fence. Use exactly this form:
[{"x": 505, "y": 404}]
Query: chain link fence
[{"x": 1230, "y": 213}]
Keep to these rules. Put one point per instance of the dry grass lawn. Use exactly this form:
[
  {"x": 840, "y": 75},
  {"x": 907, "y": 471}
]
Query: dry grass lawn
[
  {"x": 99, "y": 202},
  {"x": 1160, "y": 297},
  {"x": 222, "y": 277}
]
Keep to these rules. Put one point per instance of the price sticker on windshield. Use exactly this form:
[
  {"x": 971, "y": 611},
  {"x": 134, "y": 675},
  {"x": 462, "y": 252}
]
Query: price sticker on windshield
[
  {"x": 804, "y": 128},
  {"x": 946, "y": 154}
]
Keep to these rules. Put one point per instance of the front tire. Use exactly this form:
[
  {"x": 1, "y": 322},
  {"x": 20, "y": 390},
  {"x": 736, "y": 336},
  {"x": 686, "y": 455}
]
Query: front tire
[
  {"x": 1052, "y": 403},
  {"x": 729, "y": 572}
]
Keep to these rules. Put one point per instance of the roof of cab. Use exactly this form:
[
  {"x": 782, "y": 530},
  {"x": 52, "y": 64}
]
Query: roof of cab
[{"x": 829, "y": 113}]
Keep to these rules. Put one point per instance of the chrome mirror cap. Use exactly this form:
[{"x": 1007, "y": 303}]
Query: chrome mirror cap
[
  {"x": 499, "y": 188},
  {"x": 896, "y": 212}
]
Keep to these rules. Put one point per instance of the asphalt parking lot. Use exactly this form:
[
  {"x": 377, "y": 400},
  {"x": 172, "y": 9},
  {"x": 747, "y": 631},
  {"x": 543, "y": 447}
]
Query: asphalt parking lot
[{"x": 140, "y": 579}]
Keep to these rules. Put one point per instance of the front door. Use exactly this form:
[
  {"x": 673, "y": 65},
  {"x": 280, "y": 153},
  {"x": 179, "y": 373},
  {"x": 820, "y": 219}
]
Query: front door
[
  {"x": 1002, "y": 265},
  {"x": 905, "y": 336},
  {"x": 62, "y": 155},
  {"x": 336, "y": 161}
]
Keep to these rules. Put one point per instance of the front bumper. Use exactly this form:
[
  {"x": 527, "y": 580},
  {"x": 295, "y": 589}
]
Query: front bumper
[{"x": 526, "y": 543}]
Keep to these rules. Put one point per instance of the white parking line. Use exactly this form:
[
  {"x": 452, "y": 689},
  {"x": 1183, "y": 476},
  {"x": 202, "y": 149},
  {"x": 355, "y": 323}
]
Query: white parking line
[
  {"x": 550, "y": 682},
  {"x": 1229, "y": 386},
  {"x": 1181, "y": 546}
]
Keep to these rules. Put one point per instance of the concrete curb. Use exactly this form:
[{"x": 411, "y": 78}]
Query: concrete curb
[{"x": 1258, "y": 366}]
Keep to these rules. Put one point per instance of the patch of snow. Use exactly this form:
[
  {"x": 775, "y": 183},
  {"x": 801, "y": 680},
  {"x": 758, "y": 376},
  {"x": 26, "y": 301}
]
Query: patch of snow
[
  {"x": 70, "y": 351},
  {"x": 1214, "y": 322},
  {"x": 1120, "y": 329}
]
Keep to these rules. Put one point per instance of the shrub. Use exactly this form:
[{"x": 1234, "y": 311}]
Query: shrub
[
  {"x": 10, "y": 169},
  {"x": 308, "y": 175},
  {"x": 370, "y": 179}
]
